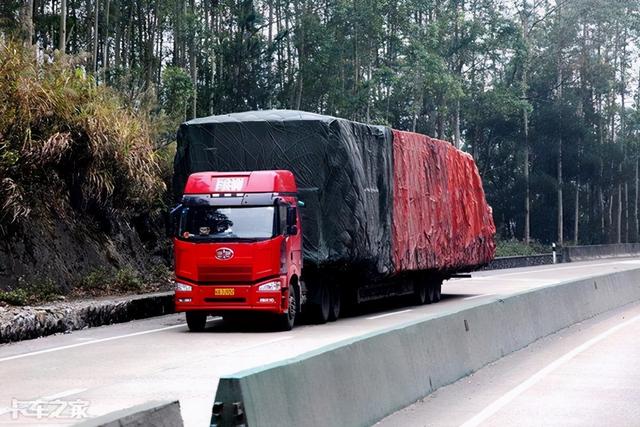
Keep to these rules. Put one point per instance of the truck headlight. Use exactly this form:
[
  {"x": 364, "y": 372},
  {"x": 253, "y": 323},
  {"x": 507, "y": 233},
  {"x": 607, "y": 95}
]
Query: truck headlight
[
  {"x": 270, "y": 286},
  {"x": 182, "y": 287}
]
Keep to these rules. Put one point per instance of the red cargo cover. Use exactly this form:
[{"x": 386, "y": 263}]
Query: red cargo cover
[{"x": 441, "y": 220}]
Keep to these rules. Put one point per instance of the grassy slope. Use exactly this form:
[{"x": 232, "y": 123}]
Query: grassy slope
[{"x": 81, "y": 187}]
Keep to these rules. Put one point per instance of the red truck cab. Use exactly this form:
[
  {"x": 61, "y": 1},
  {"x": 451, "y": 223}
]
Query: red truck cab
[{"x": 238, "y": 246}]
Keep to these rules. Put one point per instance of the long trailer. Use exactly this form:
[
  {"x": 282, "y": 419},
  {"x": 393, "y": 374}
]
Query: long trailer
[{"x": 323, "y": 210}]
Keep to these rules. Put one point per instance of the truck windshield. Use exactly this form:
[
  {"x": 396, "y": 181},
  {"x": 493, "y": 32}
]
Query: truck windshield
[{"x": 215, "y": 223}]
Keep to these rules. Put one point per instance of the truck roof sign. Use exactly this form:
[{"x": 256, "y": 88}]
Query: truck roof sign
[
  {"x": 272, "y": 181},
  {"x": 228, "y": 184}
]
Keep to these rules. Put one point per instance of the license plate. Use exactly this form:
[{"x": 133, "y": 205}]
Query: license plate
[{"x": 225, "y": 292}]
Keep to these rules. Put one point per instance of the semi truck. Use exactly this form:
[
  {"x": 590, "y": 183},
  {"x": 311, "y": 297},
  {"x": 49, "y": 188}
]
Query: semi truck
[{"x": 285, "y": 213}]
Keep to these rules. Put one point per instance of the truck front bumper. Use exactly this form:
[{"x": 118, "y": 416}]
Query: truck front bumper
[{"x": 235, "y": 297}]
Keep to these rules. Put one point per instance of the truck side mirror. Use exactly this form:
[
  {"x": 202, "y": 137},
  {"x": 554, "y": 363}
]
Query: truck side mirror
[{"x": 292, "y": 221}]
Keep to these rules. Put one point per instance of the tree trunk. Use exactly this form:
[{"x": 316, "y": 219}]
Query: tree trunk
[
  {"x": 105, "y": 47},
  {"x": 192, "y": 62},
  {"x": 635, "y": 206},
  {"x": 560, "y": 224},
  {"x": 95, "y": 35},
  {"x": 456, "y": 125},
  {"x": 62, "y": 42},
  {"x": 26, "y": 22},
  {"x": 527, "y": 200},
  {"x": 576, "y": 220},
  {"x": 626, "y": 212},
  {"x": 560, "y": 204},
  {"x": 619, "y": 216}
]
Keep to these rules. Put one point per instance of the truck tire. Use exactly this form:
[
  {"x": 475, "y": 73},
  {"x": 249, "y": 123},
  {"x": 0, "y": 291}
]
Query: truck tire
[
  {"x": 196, "y": 321},
  {"x": 320, "y": 310},
  {"x": 437, "y": 290},
  {"x": 431, "y": 293},
  {"x": 286, "y": 321},
  {"x": 419, "y": 296},
  {"x": 336, "y": 303}
]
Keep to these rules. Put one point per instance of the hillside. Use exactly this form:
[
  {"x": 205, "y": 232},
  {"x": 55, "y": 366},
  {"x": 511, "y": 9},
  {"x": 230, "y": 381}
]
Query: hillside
[{"x": 82, "y": 195}]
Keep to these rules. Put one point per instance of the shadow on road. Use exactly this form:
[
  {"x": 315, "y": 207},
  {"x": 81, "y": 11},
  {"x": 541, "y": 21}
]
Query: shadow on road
[{"x": 256, "y": 322}]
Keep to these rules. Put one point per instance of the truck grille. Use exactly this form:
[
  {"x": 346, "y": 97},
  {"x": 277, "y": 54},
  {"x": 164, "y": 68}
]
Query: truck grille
[
  {"x": 226, "y": 300},
  {"x": 226, "y": 273}
]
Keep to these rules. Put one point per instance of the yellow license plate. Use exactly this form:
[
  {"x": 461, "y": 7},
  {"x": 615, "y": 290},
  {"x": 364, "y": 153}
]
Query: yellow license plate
[{"x": 225, "y": 292}]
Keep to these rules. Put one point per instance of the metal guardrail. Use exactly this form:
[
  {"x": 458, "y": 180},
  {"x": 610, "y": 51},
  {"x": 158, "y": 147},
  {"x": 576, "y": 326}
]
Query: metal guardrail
[
  {"x": 523, "y": 261},
  {"x": 567, "y": 254}
]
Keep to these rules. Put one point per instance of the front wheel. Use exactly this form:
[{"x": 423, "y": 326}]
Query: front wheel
[
  {"x": 287, "y": 320},
  {"x": 196, "y": 321}
]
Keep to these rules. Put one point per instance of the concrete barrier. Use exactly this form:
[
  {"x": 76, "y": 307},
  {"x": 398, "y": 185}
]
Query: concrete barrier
[
  {"x": 152, "y": 414},
  {"x": 586, "y": 253},
  {"x": 359, "y": 381}
]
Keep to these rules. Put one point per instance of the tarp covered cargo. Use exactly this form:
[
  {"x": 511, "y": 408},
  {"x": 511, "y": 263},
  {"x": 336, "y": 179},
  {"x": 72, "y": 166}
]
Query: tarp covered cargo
[
  {"x": 441, "y": 220},
  {"x": 342, "y": 168},
  {"x": 376, "y": 200}
]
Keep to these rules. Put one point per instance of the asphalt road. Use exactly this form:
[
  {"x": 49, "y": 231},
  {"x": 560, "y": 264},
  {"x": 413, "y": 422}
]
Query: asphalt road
[
  {"x": 585, "y": 375},
  {"x": 104, "y": 369}
]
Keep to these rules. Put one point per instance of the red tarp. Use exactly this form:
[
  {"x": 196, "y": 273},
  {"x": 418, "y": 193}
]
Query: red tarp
[{"x": 441, "y": 220}]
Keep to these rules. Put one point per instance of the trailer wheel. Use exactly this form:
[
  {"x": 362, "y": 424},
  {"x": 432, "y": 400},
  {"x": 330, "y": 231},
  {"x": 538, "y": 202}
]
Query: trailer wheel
[
  {"x": 336, "y": 303},
  {"x": 431, "y": 293},
  {"x": 286, "y": 321},
  {"x": 196, "y": 321},
  {"x": 419, "y": 293},
  {"x": 322, "y": 307},
  {"x": 437, "y": 290}
]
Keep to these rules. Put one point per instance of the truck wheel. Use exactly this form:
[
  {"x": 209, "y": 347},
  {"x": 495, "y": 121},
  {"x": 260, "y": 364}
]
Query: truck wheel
[
  {"x": 322, "y": 307},
  {"x": 336, "y": 303},
  {"x": 419, "y": 293},
  {"x": 287, "y": 320},
  {"x": 437, "y": 290},
  {"x": 196, "y": 321},
  {"x": 431, "y": 293}
]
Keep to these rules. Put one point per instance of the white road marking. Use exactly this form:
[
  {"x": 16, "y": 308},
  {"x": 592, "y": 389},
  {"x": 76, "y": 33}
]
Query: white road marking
[
  {"x": 65, "y": 393},
  {"x": 388, "y": 314},
  {"x": 478, "y": 296},
  {"x": 500, "y": 403},
  {"x": 65, "y": 347}
]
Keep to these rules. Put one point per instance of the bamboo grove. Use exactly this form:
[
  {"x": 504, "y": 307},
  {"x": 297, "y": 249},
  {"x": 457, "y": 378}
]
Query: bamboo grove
[{"x": 544, "y": 94}]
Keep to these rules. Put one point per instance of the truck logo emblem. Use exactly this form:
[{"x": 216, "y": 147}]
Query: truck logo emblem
[{"x": 224, "y": 253}]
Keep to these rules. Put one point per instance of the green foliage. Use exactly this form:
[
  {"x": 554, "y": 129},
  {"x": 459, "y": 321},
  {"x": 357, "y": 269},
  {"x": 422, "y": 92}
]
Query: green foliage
[
  {"x": 36, "y": 292},
  {"x": 517, "y": 248},
  {"x": 177, "y": 91},
  {"x": 17, "y": 297},
  {"x": 127, "y": 280},
  {"x": 104, "y": 281}
]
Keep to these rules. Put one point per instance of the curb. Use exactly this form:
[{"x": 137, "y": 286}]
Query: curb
[{"x": 33, "y": 322}]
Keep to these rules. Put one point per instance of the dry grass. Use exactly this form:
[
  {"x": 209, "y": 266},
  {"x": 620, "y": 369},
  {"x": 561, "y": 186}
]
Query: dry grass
[{"x": 63, "y": 135}]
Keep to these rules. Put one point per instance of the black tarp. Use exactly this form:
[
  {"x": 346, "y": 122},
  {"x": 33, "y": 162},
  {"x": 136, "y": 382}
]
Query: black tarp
[{"x": 342, "y": 168}]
